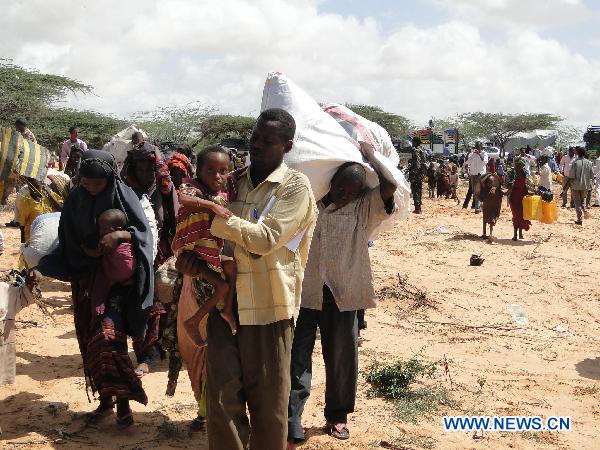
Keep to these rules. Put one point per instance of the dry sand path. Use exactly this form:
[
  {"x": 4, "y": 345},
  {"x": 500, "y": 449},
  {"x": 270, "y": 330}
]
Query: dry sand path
[{"x": 551, "y": 366}]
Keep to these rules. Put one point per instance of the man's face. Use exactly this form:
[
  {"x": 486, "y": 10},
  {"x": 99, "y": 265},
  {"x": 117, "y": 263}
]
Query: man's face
[
  {"x": 75, "y": 158},
  {"x": 571, "y": 152},
  {"x": 136, "y": 140},
  {"x": 267, "y": 147},
  {"x": 144, "y": 173},
  {"x": 74, "y": 134}
]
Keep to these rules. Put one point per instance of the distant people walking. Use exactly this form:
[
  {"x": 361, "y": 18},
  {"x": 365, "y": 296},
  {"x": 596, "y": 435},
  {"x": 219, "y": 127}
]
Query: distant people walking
[
  {"x": 565, "y": 170},
  {"x": 581, "y": 177},
  {"x": 477, "y": 163},
  {"x": 68, "y": 145}
]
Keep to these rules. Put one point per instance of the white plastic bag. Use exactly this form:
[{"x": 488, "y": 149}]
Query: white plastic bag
[
  {"x": 43, "y": 238},
  {"x": 321, "y": 145}
]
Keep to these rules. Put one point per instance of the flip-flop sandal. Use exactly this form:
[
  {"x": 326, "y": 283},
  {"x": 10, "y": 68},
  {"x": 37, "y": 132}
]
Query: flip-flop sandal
[
  {"x": 338, "y": 430},
  {"x": 141, "y": 370},
  {"x": 125, "y": 421}
]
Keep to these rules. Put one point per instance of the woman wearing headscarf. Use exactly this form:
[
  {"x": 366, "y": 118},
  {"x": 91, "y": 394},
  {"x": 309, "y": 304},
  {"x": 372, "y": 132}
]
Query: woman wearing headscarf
[
  {"x": 179, "y": 168},
  {"x": 146, "y": 173},
  {"x": 517, "y": 182},
  {"x": 102, "y": 336}
]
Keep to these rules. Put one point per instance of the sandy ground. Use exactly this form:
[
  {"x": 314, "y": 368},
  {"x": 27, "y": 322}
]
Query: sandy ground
[{"x": 551, "y": 366}]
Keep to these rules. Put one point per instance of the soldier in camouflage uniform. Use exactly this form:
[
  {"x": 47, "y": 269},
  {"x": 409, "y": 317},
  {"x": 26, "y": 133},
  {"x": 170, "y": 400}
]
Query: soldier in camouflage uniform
[{"x": 418, "y": 169}]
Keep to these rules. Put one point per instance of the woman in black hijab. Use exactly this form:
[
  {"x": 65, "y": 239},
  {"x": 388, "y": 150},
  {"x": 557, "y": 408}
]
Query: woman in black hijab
[{"x": 102, "y": 336}]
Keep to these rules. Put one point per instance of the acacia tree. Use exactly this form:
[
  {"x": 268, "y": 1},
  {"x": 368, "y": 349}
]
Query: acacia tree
[
  {"x": 26, "y": 93},
  {"x": 175, "y": 123}
]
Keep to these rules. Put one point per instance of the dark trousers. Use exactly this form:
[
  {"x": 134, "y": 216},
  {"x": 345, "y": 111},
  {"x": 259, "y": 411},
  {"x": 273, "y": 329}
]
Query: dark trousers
[
  {"x": 416, "y": 188},
  {"x": 339, "y": 342},
  {"x": 249, "y": 369},
  {"x": 469, "y": 195}
]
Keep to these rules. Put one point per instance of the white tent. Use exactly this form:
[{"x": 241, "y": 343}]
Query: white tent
[
  {"x": 536, "y": 138},
  {"x": 120, "y": 143}
]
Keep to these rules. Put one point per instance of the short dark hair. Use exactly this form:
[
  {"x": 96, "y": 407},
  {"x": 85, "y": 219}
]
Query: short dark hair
[
  {"x": 581, "y": 152},
  {"x": 416, "y": 141},
  {"x": 73, "y": 128},
  {"x": 351, "y": 170},
  {"x": 207, "y": 151},
  {"x": 287, "y": 124},
  {"x": 21, "y": 121},
  {"x": 116, "y": 216}
]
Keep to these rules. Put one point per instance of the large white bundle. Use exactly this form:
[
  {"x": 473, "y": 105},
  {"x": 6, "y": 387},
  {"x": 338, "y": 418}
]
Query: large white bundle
[
  {"x": 363, "y": 130},
  {"x": 120, "y": 144},
  {"x": 43, "y": 238},
  {"x": 321, "y": 144}
]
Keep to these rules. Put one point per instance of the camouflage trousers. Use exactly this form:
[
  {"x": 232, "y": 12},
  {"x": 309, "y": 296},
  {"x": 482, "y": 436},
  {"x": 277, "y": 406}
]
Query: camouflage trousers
[{"x": 416, "y": 189}]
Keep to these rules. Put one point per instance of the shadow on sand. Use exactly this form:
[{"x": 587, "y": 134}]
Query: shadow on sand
[
  {"x": 589, "y": 368},
  {"x": 28, "y": 421}
]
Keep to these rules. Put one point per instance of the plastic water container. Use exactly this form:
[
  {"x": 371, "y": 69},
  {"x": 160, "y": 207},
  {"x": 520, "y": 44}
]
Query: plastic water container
[
  {"x": 549, "y": 212},
  {"x": 532, "y": 207}
]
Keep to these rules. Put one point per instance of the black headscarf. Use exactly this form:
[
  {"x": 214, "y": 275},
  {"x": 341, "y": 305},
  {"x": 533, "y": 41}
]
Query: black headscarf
[{"x": 78, "y": 227}]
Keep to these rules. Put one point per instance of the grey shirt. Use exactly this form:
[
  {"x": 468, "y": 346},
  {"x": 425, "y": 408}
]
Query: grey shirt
[
  {"x": 582, "y": 174},
  {"x": 339, "y": 254}
]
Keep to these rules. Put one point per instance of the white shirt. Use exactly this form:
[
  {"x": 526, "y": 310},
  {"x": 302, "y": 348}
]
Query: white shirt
[
  {"x": 546, "y": 176},
  {"x": 66, "y": 149},
  {"x": 565, "y": 164},
  {"x": 477, "y": 163}
]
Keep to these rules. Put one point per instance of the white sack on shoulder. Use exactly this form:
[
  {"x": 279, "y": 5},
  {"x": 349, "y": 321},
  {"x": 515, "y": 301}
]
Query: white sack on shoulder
[{"x": 321, "y": 144}]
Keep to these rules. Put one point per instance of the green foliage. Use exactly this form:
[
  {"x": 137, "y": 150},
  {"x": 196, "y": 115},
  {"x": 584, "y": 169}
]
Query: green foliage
[
  {"x": 175, "y": 123},
  {"x": 26, "y": 93},
  {"x": 218, "y": 127},
  {"x": 51, "y": 127},
  {"x": 397, "y": 126},
  {"x": 393, "y": 381}
]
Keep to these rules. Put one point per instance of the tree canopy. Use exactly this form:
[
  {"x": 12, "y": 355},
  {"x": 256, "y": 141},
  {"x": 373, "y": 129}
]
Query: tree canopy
[
  {"x": 35, "y": 96},
  {"x": 397, "y": 126},
  {"x": 25, "y": 93},
  {"x": 500, "y": 127},
  {"x": 175, "y": 123},
  {"x": 221, "y": 126}
]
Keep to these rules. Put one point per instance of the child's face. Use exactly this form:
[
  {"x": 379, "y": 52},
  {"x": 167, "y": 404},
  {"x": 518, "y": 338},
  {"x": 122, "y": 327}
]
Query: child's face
[
  {"x": 213, "y": 172},
  {"x": 177, "y": 176},
  {"x": 106, "y": 225}
]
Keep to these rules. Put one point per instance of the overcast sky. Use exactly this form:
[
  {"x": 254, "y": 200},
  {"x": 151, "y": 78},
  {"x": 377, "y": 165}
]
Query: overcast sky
[{"x": 415, "y": 58}]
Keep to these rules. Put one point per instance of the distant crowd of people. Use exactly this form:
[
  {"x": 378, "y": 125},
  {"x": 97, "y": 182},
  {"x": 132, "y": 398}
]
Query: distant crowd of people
[{"x": 522, "y": 173}]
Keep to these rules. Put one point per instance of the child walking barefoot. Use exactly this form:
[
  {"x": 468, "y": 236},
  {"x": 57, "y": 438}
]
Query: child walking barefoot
[{"x": 200, "y": 200}]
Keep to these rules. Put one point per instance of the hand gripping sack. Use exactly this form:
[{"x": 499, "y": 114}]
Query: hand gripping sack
[{"x": 321, "y": 145}]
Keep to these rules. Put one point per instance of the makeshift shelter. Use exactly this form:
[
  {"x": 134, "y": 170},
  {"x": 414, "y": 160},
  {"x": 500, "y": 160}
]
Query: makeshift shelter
[{"x": 535, "y": 138}]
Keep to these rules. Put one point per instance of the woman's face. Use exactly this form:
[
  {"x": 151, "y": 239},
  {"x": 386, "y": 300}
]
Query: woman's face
[
  {"x": 93, "y": 185},
  {"x": 144, "y": 173}
]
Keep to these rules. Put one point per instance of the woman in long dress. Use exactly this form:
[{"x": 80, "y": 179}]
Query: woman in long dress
[
  {"x": 517, "y": 191},
  {"x": 102, "y": 336}
]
